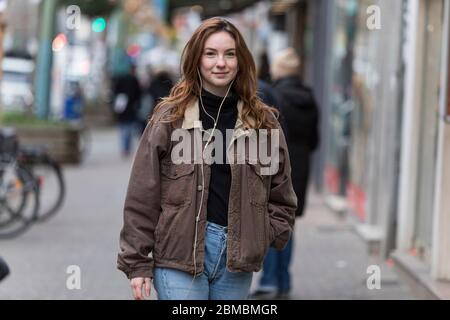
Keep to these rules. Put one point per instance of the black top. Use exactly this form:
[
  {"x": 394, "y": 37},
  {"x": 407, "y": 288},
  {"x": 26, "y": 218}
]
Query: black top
[{"x": 220, "y": 183}]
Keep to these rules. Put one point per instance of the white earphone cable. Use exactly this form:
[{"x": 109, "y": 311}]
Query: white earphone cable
[{"x": 197, "y": 218}]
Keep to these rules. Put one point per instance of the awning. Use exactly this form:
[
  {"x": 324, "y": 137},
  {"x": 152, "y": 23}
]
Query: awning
[
  {"x": 211, "y": 8},
  {"x": 283, "y": 6}
]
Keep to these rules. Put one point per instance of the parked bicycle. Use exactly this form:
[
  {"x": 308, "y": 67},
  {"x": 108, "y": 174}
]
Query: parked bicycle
[
  {"x": 50, "y": 180},
  {"x": 27, "y": 172},
  {"x": 19, "y": 195}
]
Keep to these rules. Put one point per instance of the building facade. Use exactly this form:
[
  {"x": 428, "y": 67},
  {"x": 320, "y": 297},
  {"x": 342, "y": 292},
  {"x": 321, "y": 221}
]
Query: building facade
[{"x": 380, "y": 71}]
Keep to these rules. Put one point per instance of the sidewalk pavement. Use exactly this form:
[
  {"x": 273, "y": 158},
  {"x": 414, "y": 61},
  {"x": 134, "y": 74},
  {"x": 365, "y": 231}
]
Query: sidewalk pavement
[
  {"x": 85, "y": 234},
  {"x": 330, "y": 261}
]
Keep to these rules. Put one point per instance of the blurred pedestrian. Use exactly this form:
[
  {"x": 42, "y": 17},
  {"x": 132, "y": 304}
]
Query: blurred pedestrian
[
  {"x": 264, "y": 67},
  {"x": 207, "y": 226},
  {"x": 127, "y": 94},
  {"x": 159, "y": 87},
  {"x": 265, "y": 90},
  {"x": 301, "y": 118},
  {"x": 74, "y": 102}
]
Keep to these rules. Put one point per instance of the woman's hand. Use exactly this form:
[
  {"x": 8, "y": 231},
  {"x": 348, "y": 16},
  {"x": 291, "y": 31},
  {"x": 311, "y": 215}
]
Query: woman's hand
[{"x": 136, "y": 286}]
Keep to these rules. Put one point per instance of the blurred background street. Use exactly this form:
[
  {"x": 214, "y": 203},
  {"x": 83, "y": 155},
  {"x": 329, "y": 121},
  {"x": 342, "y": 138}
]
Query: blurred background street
[
  {"x": 378, "y": 180},
  {"x": 330, "y": 260}
]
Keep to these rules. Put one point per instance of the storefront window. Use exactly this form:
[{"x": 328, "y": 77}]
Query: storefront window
[
  {"x": 429, "y": 113},
  {"x": 365, "y": 84},
  {"x": 336, "y": 171}
]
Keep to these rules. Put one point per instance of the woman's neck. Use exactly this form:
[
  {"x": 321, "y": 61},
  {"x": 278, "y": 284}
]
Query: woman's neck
[
  {"x": 211, "y": 101},
  {"x": 220, "y": 92}
]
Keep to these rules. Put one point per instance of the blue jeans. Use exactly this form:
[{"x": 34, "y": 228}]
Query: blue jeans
[
  {"x": 126, "y": 131},
  {"x": 214, "y": 283},
  {"x": 275, "y": 275}
]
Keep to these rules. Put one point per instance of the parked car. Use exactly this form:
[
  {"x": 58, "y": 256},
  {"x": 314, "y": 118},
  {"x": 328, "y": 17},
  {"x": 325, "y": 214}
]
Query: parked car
[{"x": 16, "y": 83}]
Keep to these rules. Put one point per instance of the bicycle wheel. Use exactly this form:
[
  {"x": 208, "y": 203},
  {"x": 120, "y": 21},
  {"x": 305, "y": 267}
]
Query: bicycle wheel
[
  {"x": 19, "y": 201},
  {"x": 51, "y": 187}
]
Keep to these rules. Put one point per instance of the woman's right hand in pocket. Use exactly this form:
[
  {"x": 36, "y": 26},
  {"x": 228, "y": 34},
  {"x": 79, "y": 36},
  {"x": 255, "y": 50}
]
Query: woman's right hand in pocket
[{"x": 137, "y": 284}]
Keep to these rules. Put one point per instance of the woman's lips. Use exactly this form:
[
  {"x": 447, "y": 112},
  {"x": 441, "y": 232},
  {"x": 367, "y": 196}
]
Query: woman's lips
[{"x": 221, "y": 75}]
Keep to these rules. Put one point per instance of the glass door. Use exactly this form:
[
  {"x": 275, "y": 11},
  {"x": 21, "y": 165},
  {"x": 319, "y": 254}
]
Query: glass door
[{"x": 428, "y": 126}]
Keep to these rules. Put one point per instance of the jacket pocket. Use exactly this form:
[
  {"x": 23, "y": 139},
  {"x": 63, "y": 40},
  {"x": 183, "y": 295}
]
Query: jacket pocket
[
  {"x": 165, "y": 229},
  {"x": 177, "y": 182},
  {"x": 257, "y": 184},
  {"x": 253, "y": 246},
  {"x": 174, "y": 234}
]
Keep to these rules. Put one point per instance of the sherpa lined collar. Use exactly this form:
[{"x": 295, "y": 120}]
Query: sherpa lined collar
[{"x": 192, "y": 116}]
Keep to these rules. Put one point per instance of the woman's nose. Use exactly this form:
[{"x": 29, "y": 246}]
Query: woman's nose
[{"x": 220, "y": 61}]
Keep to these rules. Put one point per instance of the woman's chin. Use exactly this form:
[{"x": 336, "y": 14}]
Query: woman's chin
[{"x": 222, "y": 82}]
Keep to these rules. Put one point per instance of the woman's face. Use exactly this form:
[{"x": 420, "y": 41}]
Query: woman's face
[{"x": 218, "y": 64}]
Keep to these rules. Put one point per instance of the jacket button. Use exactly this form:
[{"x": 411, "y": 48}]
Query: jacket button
[{"x": 199, "y": 187}]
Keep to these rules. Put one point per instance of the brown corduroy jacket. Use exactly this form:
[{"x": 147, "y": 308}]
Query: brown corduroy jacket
[{"x": 163, "y": 201}]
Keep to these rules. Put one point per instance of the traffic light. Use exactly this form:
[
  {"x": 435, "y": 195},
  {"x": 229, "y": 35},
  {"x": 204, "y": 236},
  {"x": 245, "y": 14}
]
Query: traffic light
[
  {"x": 133, "y": 50},
  {"x": 59, "y": 42},
  {"x": 99, "y": 24}
]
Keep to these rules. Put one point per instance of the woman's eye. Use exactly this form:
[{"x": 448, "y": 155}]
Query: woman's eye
[
  {"x": 210, "y": 54},
  {"x": 231, "y": 54}
]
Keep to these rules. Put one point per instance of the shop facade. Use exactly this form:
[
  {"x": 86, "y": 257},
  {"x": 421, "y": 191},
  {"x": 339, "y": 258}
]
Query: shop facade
[{"x": 423, "y": 227}]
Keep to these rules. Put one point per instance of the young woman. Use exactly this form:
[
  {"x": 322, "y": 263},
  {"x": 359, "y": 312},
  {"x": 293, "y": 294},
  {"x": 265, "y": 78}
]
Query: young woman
[{"x": 207, "y": 225}]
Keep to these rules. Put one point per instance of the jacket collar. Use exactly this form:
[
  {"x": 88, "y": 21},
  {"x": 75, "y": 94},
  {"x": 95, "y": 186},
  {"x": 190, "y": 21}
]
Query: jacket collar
[
  {"x": 192, "y": 120},
  {"x": 192, "y": 116}
]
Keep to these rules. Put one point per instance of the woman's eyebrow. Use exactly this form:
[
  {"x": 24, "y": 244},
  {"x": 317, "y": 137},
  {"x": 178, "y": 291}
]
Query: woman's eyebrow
[{"x": 212, "y": 49}]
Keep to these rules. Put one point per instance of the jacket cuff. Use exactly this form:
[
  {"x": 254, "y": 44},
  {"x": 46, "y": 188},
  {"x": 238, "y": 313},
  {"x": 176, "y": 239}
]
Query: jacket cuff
[{"x": 140, "y": 273}]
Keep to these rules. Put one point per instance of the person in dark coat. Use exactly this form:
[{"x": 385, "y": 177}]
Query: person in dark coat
[
  {"x": 265, "y": 90},
  {"x": 299, "y": 117},
  {"x": 127, "y": 95},
  {"x": 159, "y": 87},
  {"x": 300, "y": 114}
]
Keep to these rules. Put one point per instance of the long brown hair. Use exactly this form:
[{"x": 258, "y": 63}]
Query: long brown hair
[{"x": 188, "y": 87}]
